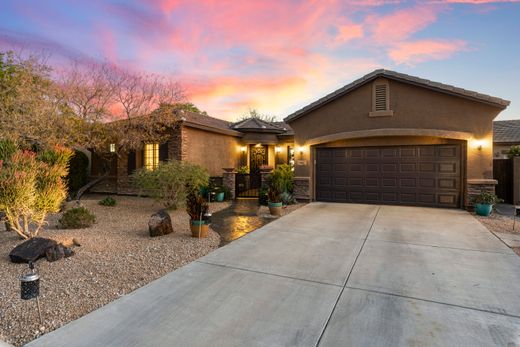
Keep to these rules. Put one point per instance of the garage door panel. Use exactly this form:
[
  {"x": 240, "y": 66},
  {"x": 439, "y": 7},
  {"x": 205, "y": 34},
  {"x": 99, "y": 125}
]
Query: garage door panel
[{"x": 427, "y": 175}]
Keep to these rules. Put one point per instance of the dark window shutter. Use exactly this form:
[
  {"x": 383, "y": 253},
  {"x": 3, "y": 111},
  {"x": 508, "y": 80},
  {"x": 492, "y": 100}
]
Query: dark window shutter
[
  {"x": 131, "y": 162},
  {"x": 163, "y": 151}
]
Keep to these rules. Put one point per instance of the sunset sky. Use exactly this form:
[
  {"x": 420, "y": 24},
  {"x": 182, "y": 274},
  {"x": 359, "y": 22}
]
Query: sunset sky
[{"x": 276, "y": 55}]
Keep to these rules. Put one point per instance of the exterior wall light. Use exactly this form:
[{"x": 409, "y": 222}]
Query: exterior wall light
[
  {"x": 277, "y": 149},
  {"x": 243, "y": 149},
  {"x": 112, "y": 148},
  {"x": 479, "y": 144},
  {"x": 301, "y": 149}
]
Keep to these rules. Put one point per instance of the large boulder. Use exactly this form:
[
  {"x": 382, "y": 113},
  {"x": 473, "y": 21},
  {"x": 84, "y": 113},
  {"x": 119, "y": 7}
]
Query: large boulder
[
  {"x": 31, "y": 250},
  {"x": 160, "y": 224}
]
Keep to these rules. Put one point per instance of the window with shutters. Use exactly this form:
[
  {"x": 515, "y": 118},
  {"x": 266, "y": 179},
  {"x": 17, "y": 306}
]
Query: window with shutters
[
  {"x": 381, "y": 99},
  {"x": 151, "y": 155}
]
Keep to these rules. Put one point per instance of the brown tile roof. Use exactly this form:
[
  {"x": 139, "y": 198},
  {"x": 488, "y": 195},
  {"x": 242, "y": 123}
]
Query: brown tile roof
[
  {"x": 441, "y": 87},
  {"x": 506, "y": 131},
  {"x": 256, "y": 125}
]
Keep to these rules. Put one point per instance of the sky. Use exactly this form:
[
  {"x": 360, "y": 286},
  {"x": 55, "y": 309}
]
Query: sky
[{"x": 277, "y": 56}]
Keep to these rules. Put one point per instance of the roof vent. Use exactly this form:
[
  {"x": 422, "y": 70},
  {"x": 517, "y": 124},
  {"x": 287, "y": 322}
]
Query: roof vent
[{"x": 381, "y": 97}]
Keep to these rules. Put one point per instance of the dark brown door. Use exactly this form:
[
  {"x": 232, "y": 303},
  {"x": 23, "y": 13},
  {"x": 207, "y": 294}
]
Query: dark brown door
[{"x": 402, "y": 175}]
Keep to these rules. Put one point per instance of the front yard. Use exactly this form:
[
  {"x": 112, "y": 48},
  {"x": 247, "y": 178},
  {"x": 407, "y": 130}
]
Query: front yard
[
  {"x": 116, "y": 257},
  {"x": 502, "y": 227}
]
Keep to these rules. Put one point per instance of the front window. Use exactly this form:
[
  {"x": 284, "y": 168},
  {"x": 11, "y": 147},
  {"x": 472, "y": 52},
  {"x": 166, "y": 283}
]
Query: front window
[{"x": 151, "y": 155}]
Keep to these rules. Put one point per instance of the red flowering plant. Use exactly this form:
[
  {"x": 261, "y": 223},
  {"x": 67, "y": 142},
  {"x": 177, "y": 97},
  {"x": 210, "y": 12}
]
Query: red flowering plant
[{"x": 32, "y": 186}]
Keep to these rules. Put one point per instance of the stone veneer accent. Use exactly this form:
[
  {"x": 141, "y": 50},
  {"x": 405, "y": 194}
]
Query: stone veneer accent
[
  {"x": 228, "y": 180},
  {"x": 302, "y": 191},
  {"x": 477, "y": 186},
  {"x": 265, "y": 171},
  {"x": 178, "y": 144}
]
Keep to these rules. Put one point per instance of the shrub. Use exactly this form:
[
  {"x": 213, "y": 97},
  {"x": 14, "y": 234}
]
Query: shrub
[
  {"x": 196, "y": 205},
  {"x": 262, "y": 197},
  {"x": 78, "y": 172},
  {"x": 7, "y": 149},
  {"x": 243, "y": 170},
  {"x": 171, "y": 182},
  {"x": 77, "y": 218},
  {"x": 108, "y": 201},
  {"x": 283, "y": 178},
  {"x": 288, "y": 198},
  {"x": 486, "y": 199},
  {"x": 514, "y": 151},
  {"x": 31, "y": 186}
]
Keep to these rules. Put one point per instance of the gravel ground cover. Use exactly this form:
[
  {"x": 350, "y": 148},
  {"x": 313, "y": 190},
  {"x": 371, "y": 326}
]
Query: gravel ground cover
[
  {"x": 502, "y": 227},
  {"x": 116, "y": 257}
]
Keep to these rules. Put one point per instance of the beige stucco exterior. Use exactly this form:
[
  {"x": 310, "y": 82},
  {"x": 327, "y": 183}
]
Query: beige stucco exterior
[
  {"x": 212, "y": 150},
  {"x": 420, "y": 116}
]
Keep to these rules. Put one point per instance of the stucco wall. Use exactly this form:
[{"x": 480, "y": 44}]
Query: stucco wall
[
  {"x": 210, "y": 150},
  {"x": 414, "y": 108}
]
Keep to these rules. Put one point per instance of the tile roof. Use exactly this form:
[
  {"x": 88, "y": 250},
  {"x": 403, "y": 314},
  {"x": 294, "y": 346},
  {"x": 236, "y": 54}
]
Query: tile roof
[
  {"x": 506, "y": 131},
  {"x": 445, "y": 88},
  {"x": 257, "y": 125}
]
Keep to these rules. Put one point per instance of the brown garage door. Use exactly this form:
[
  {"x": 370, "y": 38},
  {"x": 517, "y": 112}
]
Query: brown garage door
[{"x": 403, "y": 175}]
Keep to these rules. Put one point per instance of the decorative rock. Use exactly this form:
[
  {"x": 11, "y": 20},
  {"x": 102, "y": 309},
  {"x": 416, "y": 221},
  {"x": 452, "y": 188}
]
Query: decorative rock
[
  {"x": 160, "y": 224},
  {"x": 31, "y": 250},
  {"x": 55, "y": 253}
]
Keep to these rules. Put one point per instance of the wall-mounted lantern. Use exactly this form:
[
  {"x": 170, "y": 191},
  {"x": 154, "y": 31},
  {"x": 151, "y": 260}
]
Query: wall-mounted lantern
[
  {"x": 112, "y": 148},
  {"x": 479, "y": 144},
  {"x": 277, "y": 149}
]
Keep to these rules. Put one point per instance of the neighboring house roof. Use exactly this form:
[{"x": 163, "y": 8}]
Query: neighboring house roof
[
  {"x": 440, "y": 87},
  {"x": 506, "y": 131}
]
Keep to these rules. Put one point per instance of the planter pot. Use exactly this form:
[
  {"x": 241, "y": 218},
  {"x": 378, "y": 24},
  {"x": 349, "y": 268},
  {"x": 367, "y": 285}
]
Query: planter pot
[
  {"x": 483, "y": 209},
  {"x": 199, "y": 229},
  {"x": 275, "y": 208},
  {"x": 219, "y": 197}
]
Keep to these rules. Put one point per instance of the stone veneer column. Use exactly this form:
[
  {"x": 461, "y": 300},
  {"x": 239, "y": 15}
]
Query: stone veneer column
[
  {"x": 302, "y": 188},
  {"x": 228, "y": 180},
  {"x": 178, "y": 144},
  {"x": 477, "y": 186},
  {"x": 265, "y": 171}
]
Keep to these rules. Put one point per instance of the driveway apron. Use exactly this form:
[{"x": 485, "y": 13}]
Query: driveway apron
[{"x": 328, "y": 275}]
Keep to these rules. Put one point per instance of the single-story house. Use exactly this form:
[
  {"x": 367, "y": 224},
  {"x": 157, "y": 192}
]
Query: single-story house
[
  {"x": 392, "y": 138},
  {"x": 386, "y": 138},
  {"x": 210, "y": 142},
  {"x": 506, "y": 133}
]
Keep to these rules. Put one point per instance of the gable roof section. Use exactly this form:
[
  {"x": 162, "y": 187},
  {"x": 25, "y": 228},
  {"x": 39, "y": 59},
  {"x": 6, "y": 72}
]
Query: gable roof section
[
  {"x": 199, "y": 121},
  {"x": 506, "y": 131},
  {"x": 257, "y": 125},
  {"x": 440, "y": 87}
]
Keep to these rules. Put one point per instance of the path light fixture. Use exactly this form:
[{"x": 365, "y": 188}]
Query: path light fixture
[{"x": 30, "y": 287}]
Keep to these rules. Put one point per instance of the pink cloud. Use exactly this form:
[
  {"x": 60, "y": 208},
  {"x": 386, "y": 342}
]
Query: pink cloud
[
  {"x": 401, "y": 24},
  {"x": 419, "y": 51}
]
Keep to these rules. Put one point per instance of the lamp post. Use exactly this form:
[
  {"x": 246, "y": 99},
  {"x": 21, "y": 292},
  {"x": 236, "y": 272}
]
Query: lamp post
[{"x": 30, "y": 288}]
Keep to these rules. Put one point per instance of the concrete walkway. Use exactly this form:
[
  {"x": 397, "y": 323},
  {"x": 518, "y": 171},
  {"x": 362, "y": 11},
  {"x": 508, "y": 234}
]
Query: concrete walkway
[{"x": 327, "y": 275}]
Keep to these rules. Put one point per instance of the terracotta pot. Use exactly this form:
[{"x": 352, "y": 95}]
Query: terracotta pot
[
  {"x": 275, "y": 208},
  {"x": 199, "y": 230}
]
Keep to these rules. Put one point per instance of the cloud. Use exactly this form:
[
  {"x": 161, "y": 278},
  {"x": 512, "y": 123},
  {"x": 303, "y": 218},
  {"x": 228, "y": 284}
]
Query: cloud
[{"x": 415, "y": 52}]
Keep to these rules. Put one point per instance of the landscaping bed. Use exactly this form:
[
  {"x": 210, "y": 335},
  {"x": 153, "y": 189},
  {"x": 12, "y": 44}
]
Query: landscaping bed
[
  {"x": 502, "y": 227},
  {"x": 116, "y": 256}
]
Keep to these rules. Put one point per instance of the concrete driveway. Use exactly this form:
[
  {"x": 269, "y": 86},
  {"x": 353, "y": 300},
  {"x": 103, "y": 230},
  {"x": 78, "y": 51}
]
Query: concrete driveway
[{"x": 327, "y": 275}]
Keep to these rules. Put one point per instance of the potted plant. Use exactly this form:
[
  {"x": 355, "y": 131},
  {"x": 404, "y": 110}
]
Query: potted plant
[
  {"x": 484, "y": 203},
  {"x": 274, "y": 201},
  {"x": 197, "y": 207}
]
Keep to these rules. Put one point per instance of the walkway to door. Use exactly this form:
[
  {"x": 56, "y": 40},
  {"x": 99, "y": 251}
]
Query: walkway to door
[{"x": 329, "y": 275}]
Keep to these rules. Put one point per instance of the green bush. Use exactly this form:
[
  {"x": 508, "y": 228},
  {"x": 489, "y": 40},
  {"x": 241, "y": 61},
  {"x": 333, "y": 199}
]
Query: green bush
[
  {"x": 243, "y": 170},
  {"x": 7, "y": 149},
  {"x": 262, "y": 197},
  {"x": 171, "y": 182},
  {"x": 108, "y": 201},
  {"x": 78, "y": 172},
  {"x": 31, "y": 186},
  {"x": 283, "y": 178},
  {"x": 514, "y": 151},
  {"x": 77, "y": 218},
  {"x": 486, "y": 198}
]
